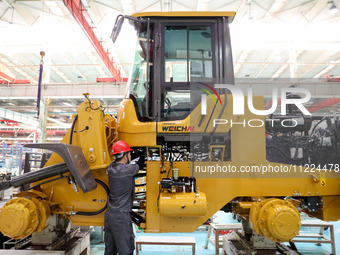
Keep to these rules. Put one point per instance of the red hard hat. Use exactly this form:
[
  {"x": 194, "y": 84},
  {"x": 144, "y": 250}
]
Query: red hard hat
[{"x": 120, "y": 147}]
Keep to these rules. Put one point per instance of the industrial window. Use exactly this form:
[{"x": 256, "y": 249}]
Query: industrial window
[
  {"x": 138, "y": 75},
  {"x": 139, "y": 87},
  {"x": 188, "y": 54},
  {"x": 176, "y": 104}
]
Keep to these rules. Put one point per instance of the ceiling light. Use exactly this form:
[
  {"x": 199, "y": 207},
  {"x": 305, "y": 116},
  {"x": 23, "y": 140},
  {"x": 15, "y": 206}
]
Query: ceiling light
[
  {"x": 333, "y": 9},
  {"x": 250, "y": 17},
  {"x": 67, "y": 104},
  {"x": 280, "y": 71},
  {"x": 328, "y": 68}
]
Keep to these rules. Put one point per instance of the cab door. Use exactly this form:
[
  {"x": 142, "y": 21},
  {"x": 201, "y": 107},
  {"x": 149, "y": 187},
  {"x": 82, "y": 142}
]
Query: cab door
[{"x": 187, "y": 58}]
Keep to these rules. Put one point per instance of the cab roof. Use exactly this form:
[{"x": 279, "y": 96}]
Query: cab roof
[{"x": 230, "y": 15}]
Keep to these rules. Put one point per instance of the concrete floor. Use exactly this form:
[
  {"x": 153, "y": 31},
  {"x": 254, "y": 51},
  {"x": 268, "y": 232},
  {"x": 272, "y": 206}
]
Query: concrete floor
[{"x": 200, "y": 236}]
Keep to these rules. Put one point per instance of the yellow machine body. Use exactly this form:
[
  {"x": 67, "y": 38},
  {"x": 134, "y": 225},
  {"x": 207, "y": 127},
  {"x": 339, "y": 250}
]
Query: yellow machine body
[
  {"x": 277, "y": 219},
  {"x": 94, "y": 132},
  {"x": 247, "y": 147},
  {"x": 182, "y": 204},
  {"x": 20, "y": 217}
]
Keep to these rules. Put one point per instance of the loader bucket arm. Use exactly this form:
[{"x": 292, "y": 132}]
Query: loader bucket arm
[{"x": 75, "y": 161}]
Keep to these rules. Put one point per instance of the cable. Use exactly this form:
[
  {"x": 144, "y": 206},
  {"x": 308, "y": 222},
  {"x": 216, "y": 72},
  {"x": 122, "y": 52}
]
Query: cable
[
  {"x": 72, "y": 128},
  {"x": 324, "y": 118},
  {"x": 87, "y": 97},
  {"x": 194, "y": 184},
  {"x": 179, "y": 155},
  {"x": 140, "y": 193},
  {"x": 171, "y": 164},
  {"x": 86, "y": 128},
  {"x": 336, "y": 127},
  {"x": 101, "y": 210},
  {"x": 159, "y": 194},
  {"x": 140, "y": 184}
]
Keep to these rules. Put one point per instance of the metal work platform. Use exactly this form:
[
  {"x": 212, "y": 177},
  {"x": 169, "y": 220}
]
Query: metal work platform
[
  {"x": 165, "y": 240},
  {"x": 75, "y": 242},
  {"x": 236, "y": 244},
  {"x": 317, "y": 238},
  {"x": 216, "y": 229}
]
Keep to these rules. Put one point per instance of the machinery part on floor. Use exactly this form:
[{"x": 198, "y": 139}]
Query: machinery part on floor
[
  {"x": 57, "y": 226},
  {"x": 283, "y": 249},
  {"x": 20, "y": 217},
  {"x": 237, "y": 244},
  {"x": 17, "y": 244},
  {"x": 63, "y": 239},
  {"x": 277, "y": 219},
  {"x": 74, "y": 242}
]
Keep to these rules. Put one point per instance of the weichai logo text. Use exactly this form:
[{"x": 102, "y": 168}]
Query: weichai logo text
[{"x": 177, "y": 128}]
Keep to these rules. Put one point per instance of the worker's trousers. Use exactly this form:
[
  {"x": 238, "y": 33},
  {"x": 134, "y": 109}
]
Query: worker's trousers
[{"x": 119, "y": 237}]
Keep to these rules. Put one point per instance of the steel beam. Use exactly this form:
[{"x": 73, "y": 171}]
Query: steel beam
[
  {"x": 6, "y": 74},
  {"x": 80, "y": 14},
  {"x": 22, "y": 118},
  {"x": 315, "y": 10},
  {"x": 331, "y": 78},
  {"x": 16, "y": 81},
  {"x": 64, "y": 90},
  {"x": 26, "y": 15},
  {"x": 109, "y": 79},
  {"x": 128, "y": 6},
  {"x": 323, "y": 104}
]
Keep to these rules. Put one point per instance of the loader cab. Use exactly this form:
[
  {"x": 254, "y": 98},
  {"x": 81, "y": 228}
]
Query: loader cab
[{"x": 175, "y": 52}]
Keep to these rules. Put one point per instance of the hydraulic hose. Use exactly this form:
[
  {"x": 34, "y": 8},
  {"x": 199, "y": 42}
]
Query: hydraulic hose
[
  {"x": 72, "y": 128},
  {"x": 101, "y": 210}
]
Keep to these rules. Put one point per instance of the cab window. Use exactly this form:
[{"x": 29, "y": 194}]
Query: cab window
[
  {"x": 139, "y": 87},
  {"x": 188, "y": 54},
  {"x": 188, "y": 58}
]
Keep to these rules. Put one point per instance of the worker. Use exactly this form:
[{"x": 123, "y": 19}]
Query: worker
[{"x": 119, "y": 236}]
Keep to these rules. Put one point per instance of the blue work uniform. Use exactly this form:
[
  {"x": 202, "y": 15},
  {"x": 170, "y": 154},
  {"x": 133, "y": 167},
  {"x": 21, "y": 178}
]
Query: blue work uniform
[{"x": 119, "y": 237}]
